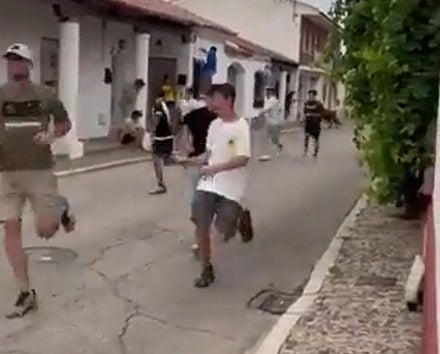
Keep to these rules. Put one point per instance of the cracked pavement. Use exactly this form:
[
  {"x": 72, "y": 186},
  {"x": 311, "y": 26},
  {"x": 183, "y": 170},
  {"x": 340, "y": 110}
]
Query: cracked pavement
[{"x": 130, "y": 289}]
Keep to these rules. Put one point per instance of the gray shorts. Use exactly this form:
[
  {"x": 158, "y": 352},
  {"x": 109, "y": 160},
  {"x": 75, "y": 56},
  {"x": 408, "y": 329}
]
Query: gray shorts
[
  {"x": 194, "y": 176},
  {"x": 210, "y": 207}
]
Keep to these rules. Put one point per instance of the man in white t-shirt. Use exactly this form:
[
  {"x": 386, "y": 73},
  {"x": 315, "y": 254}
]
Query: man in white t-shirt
[
  {"x": 274, "y": 114},
  {"x": 222, "y": 187}
]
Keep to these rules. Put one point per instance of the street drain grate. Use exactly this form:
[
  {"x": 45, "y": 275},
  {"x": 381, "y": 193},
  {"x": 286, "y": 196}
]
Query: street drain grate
[
  {"x": 273, "y": 301},
  {"x": 373, "y": 280},
  {"x": 51, "y": 254}
]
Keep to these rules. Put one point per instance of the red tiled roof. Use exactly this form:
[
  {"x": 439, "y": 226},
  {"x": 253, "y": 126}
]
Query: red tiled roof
[
  {"x": 167, "y": 11},
  {"x": 174, "y": 13}
]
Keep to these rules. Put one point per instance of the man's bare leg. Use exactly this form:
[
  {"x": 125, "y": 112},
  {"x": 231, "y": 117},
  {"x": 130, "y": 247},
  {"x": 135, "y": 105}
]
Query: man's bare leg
[
  {"x": 158, "y": 170},
  {"x": 18, "y": 261},
  {"x": 17, "y": 258},
  {"x": 207, "y": 273}
]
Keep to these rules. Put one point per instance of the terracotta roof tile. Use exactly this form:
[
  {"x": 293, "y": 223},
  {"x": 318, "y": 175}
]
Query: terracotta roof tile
[
  {"x": 171, "y": 12},
  {"x": 168, "y": 11}
]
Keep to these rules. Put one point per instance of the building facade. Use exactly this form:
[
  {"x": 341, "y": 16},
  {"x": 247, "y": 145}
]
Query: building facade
[
  {"x": 294, "y": 29},
  {"x": 315, "y": 27},
  {"x": 89, "y": 51}
]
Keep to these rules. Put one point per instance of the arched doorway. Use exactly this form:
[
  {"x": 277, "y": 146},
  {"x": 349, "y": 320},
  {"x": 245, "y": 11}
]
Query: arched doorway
[{"x": 236, "y": 77}]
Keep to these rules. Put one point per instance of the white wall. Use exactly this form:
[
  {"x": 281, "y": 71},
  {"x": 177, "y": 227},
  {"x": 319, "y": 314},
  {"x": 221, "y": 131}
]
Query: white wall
[
  {"x": 94, "y": 111},
  {"x": 269, "y": 23},
  {"x": 95, "y": 96},
  {"x": 250, "y": 66},
  {"x": 172, "y": 47},
  {"x": 16, "y": 28}
]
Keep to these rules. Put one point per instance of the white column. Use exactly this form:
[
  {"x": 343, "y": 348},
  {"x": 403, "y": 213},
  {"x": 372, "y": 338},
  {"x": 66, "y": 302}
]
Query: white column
[
  {"x": 320, "y": 88},
  {"x": 294, "y": 86},
  {"x": 68, "y": 87},
  {"x": 190, "y": 70},
  {"x": 283, "y": 90},
  {"x": 142, "y": 55}
]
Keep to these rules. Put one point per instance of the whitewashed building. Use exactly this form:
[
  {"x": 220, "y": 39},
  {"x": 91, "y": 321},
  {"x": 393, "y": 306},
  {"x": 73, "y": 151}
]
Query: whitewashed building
[
  {"x": 242, "y": 63},
  {"x": 292, "y": 28},
  {"x": 89, "y": 50}
]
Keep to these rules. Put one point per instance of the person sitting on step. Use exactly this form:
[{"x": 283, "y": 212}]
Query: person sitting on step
[{"x": 132, "y": 132}]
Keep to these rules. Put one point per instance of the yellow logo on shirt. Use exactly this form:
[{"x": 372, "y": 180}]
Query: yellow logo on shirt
[{"x": 232, "y": 147}]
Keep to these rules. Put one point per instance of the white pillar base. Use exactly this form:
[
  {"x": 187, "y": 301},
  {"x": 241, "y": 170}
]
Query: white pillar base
[
  {"x": 283, "y": 91},
  {"x": 142, "y": 55},
  {"x": 73, "y": 149},
  {"x": 68, "y": 87}
]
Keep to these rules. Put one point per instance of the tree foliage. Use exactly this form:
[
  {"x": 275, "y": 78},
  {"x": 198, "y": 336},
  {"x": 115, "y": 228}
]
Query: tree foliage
[{"x": 390, "y": 67}]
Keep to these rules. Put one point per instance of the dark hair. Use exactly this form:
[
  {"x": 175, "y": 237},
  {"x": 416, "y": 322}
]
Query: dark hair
[
  {"x": 226, "y": 90},
  {"x": 139, "y": 82},
  {"x": 212, "y": 89},
  {"x": 314, "y": 92},
  {"x": 136, "y": 114}
]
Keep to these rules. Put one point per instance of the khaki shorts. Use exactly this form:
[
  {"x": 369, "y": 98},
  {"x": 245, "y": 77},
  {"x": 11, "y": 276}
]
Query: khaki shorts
[{"x": 40, "y": 188}]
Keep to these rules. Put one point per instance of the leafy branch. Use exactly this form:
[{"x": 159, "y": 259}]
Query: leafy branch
[{"x": 390, "y": 67}]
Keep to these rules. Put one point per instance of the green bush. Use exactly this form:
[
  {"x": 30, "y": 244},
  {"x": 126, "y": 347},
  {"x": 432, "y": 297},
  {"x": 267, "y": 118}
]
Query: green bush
[{"x": 390, "y": 66}]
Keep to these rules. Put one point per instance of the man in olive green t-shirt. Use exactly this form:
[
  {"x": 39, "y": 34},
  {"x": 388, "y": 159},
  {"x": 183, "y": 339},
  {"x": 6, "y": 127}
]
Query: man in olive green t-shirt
[{"x": 26, "y": 165}]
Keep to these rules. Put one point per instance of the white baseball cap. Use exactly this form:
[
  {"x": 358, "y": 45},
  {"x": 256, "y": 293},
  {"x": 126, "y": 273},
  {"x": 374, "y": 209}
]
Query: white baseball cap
[{"x": 20, "y": 50}]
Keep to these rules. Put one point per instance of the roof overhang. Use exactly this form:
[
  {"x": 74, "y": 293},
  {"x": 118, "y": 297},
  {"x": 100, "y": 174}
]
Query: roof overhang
[
  {"x": 154, "y": 10},
  {"x": 321, "y": 20}
]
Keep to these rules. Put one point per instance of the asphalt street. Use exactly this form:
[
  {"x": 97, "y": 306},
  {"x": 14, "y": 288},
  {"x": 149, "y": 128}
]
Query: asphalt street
[{"x": 123, "y": 282}]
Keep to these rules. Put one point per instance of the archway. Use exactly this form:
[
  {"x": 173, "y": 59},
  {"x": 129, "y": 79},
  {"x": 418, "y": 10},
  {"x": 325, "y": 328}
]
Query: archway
[{"x": 236, "y": 77}]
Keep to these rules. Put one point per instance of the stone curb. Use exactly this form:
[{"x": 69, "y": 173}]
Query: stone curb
[
  {"x": 123, "y": 162},
  {"x": 102, "y": 166},
  {"x": 273, "y": 343}
]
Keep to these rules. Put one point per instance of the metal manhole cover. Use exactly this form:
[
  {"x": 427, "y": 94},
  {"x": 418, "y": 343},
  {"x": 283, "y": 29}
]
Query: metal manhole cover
[
  {"x": 273, "y": 301},
  {"x": 376, "y": 281},
  {"x": 51, "y": 254}
]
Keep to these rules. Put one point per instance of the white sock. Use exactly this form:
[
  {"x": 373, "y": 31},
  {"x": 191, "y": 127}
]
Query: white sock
[{"x": 23, "y": 284}]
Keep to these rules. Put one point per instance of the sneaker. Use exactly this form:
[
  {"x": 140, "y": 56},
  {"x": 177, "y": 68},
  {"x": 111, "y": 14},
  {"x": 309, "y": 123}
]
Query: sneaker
[
  {"x": 195, "y": 251},
  {"x": 68, "y": 221},
  {"x": 264, "y": 158},
  {"x": 26, "y": 301},
  {"x": 206, "y": 278},
  {"x": 159, "y": 190},
  {"x": 280, "y": 150}
]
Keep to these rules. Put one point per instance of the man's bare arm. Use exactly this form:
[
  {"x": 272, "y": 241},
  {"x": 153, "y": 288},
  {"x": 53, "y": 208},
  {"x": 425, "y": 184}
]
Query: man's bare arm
[
  {"x": 62, "y": 123},
  {"x": 232, "y": 164}
]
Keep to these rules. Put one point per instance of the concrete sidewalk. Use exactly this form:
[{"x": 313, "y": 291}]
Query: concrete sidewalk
[
  {"x": 124, "y": 156},
  {"x": 360, "y": 307}
]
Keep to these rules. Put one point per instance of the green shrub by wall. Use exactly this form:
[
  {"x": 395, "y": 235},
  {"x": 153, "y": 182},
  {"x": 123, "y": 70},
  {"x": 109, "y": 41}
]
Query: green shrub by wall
[{"x": 390, "y": 67}]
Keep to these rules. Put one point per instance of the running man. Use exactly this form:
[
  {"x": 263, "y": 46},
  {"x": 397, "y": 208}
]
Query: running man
[
  {"x": 224, "y": 177},
  {"x": 162, "y": 143},
  {"x": 273, "y": 112},
  {"x": 313, "y": 111},
  {"x": 26, "y": 166}
]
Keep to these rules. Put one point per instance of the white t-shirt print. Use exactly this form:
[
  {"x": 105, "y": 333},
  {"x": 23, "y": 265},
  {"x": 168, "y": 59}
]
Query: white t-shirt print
[{"x": 227, "y": 140}]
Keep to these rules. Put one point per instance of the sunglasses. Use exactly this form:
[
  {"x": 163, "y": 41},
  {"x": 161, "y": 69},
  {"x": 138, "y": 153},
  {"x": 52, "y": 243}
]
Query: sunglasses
[{"x": 13, "y": 57}]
